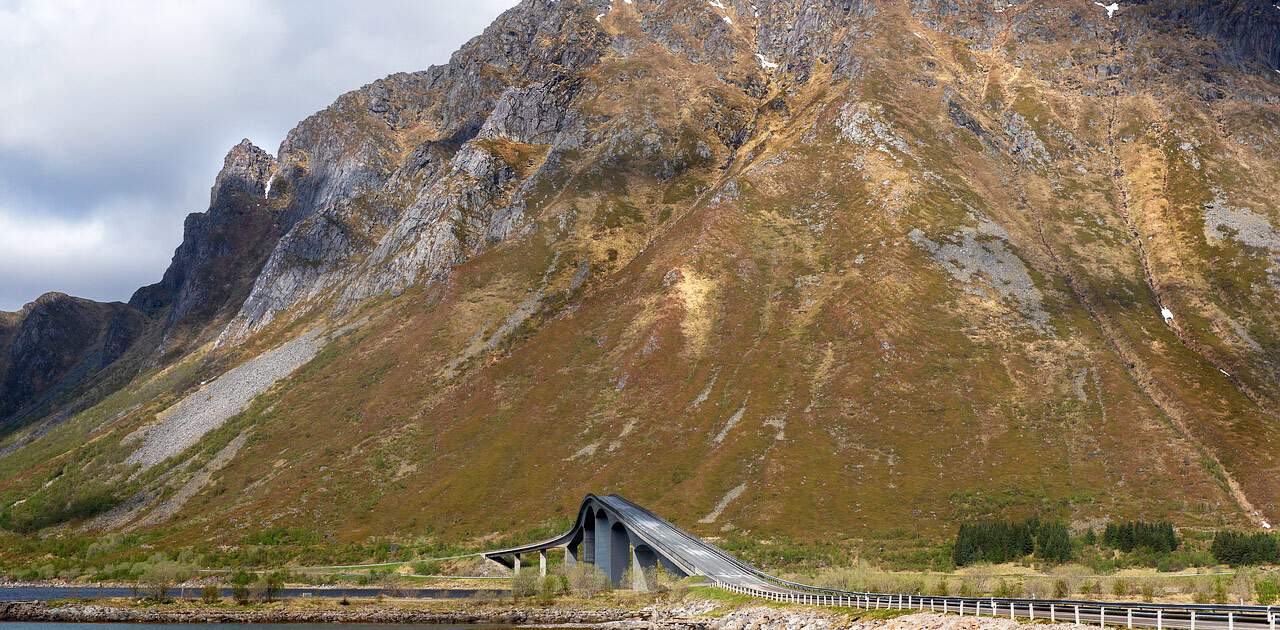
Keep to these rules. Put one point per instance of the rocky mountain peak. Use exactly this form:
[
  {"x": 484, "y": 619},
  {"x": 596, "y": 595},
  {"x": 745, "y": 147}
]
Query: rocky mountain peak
[{"x": 246, "y": 169}]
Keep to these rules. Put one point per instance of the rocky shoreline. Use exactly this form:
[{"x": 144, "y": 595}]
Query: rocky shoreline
[
  {"x": 99, "y": 613},
  {"x": 696, "y": 616}
]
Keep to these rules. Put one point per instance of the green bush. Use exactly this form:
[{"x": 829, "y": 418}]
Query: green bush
[
  {"x": 426, "y": 567},
  {"x": 548, "y": 588},
  {"x": 270, "y": 584},
  {"x": 586, "y": 580},
  {"x": 1268, "y": 590},
  {"x": 156, "y": 579},
  {"x": 65, "y": 500},
  {"x": 210, "y": 594},
  {"x": 1119, "y": 587},
  {"x": 240, "y": 587},
  {"x": 524, "y": 584},
  {"x": 1219, "y": 591}
]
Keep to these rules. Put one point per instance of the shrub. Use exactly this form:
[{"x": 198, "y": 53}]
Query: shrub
[
  {"x": 1148, "y": 592},
  {"x": 524, "y": 584},
  {"x": 1219, "y": 591},
  {"x": 210, "y": 594},
  {"x": 586, "y": 580},
  {"x": 156, "y": 579},
  {"x": 65, "y": 498},
  {"x": 426, "y": 567},
  {"x": 1268, "y": 590},
  {"x": 664, "y": 584},
  {"x": 1119, "y": 587},
  {"x": 1060, "y": 589},
  {"x": 270, "y": 585},
  {"x": 548, "y": 589},
  {"x": 240, "y": 587}
]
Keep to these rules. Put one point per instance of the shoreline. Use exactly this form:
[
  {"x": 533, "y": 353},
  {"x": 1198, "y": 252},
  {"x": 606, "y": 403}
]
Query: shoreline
[
  {"x": 382, "y": 613},
  {"x": 686, "y": 615}
]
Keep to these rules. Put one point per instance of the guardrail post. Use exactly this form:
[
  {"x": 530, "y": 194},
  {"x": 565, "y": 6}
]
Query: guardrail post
[
  {"x": 1193, "y": 620},
  {"x": 1271, "y": 618},
  {"x": 1031, "y": 610},
  {"x": 1102, "y": 617},
  {"x": 1159, "y": 619},
  {"x": 1129, "y": 618},
  {"x": 1077, "y": 614},
  {"x": 1053, "y": 613},
  {"x": 1010, "y": 611},
  {"x": 962, "y": 608},
  {"x": 1231, "y": 620}
]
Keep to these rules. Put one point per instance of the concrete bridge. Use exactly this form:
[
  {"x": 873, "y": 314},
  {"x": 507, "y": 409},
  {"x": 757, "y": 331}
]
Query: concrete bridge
[{"x": 624, "y": 539}]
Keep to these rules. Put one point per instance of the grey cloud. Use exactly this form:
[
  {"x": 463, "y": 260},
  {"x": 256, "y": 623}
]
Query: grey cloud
[{"x": 114, "y": 117}]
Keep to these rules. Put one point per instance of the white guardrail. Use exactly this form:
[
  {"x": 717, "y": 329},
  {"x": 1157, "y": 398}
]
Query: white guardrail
[{"x": 1129, "y": 615}]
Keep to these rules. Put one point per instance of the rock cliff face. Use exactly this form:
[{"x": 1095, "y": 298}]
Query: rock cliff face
[
  {"x": 221, "y": 253},
  {"x": 55, "y": 344},
  {"x": 954, "y": 257}
]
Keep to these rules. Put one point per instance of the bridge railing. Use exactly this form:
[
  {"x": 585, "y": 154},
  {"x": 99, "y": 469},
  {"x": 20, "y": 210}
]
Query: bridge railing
[{"x": 1125, "y": 614}]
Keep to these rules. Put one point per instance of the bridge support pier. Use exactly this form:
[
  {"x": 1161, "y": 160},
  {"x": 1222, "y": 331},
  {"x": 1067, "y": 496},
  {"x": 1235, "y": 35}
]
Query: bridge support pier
[
  {"x": 638, "y": 581},
  {"x": 515, "y": 564},
  {"x": 542, "y": 563},
  {"x": 570, "y": 556}
]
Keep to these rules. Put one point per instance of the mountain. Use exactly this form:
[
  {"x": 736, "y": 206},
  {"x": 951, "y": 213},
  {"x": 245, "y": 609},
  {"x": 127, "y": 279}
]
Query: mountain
[
  {"x": 803, "y": 268},
  {"x": 55, "y": 343}
]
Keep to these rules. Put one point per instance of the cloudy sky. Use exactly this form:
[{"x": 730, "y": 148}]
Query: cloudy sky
[{"x": 115, "y": 116}]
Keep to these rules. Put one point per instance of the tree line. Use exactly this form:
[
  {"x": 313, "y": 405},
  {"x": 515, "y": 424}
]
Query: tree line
[
  {"x": 1238, "y": 548},
  {"x": 1001, "y": 541},
  {"x": 998, "y": 541},
  {"x": 1158, "y": 537}
]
